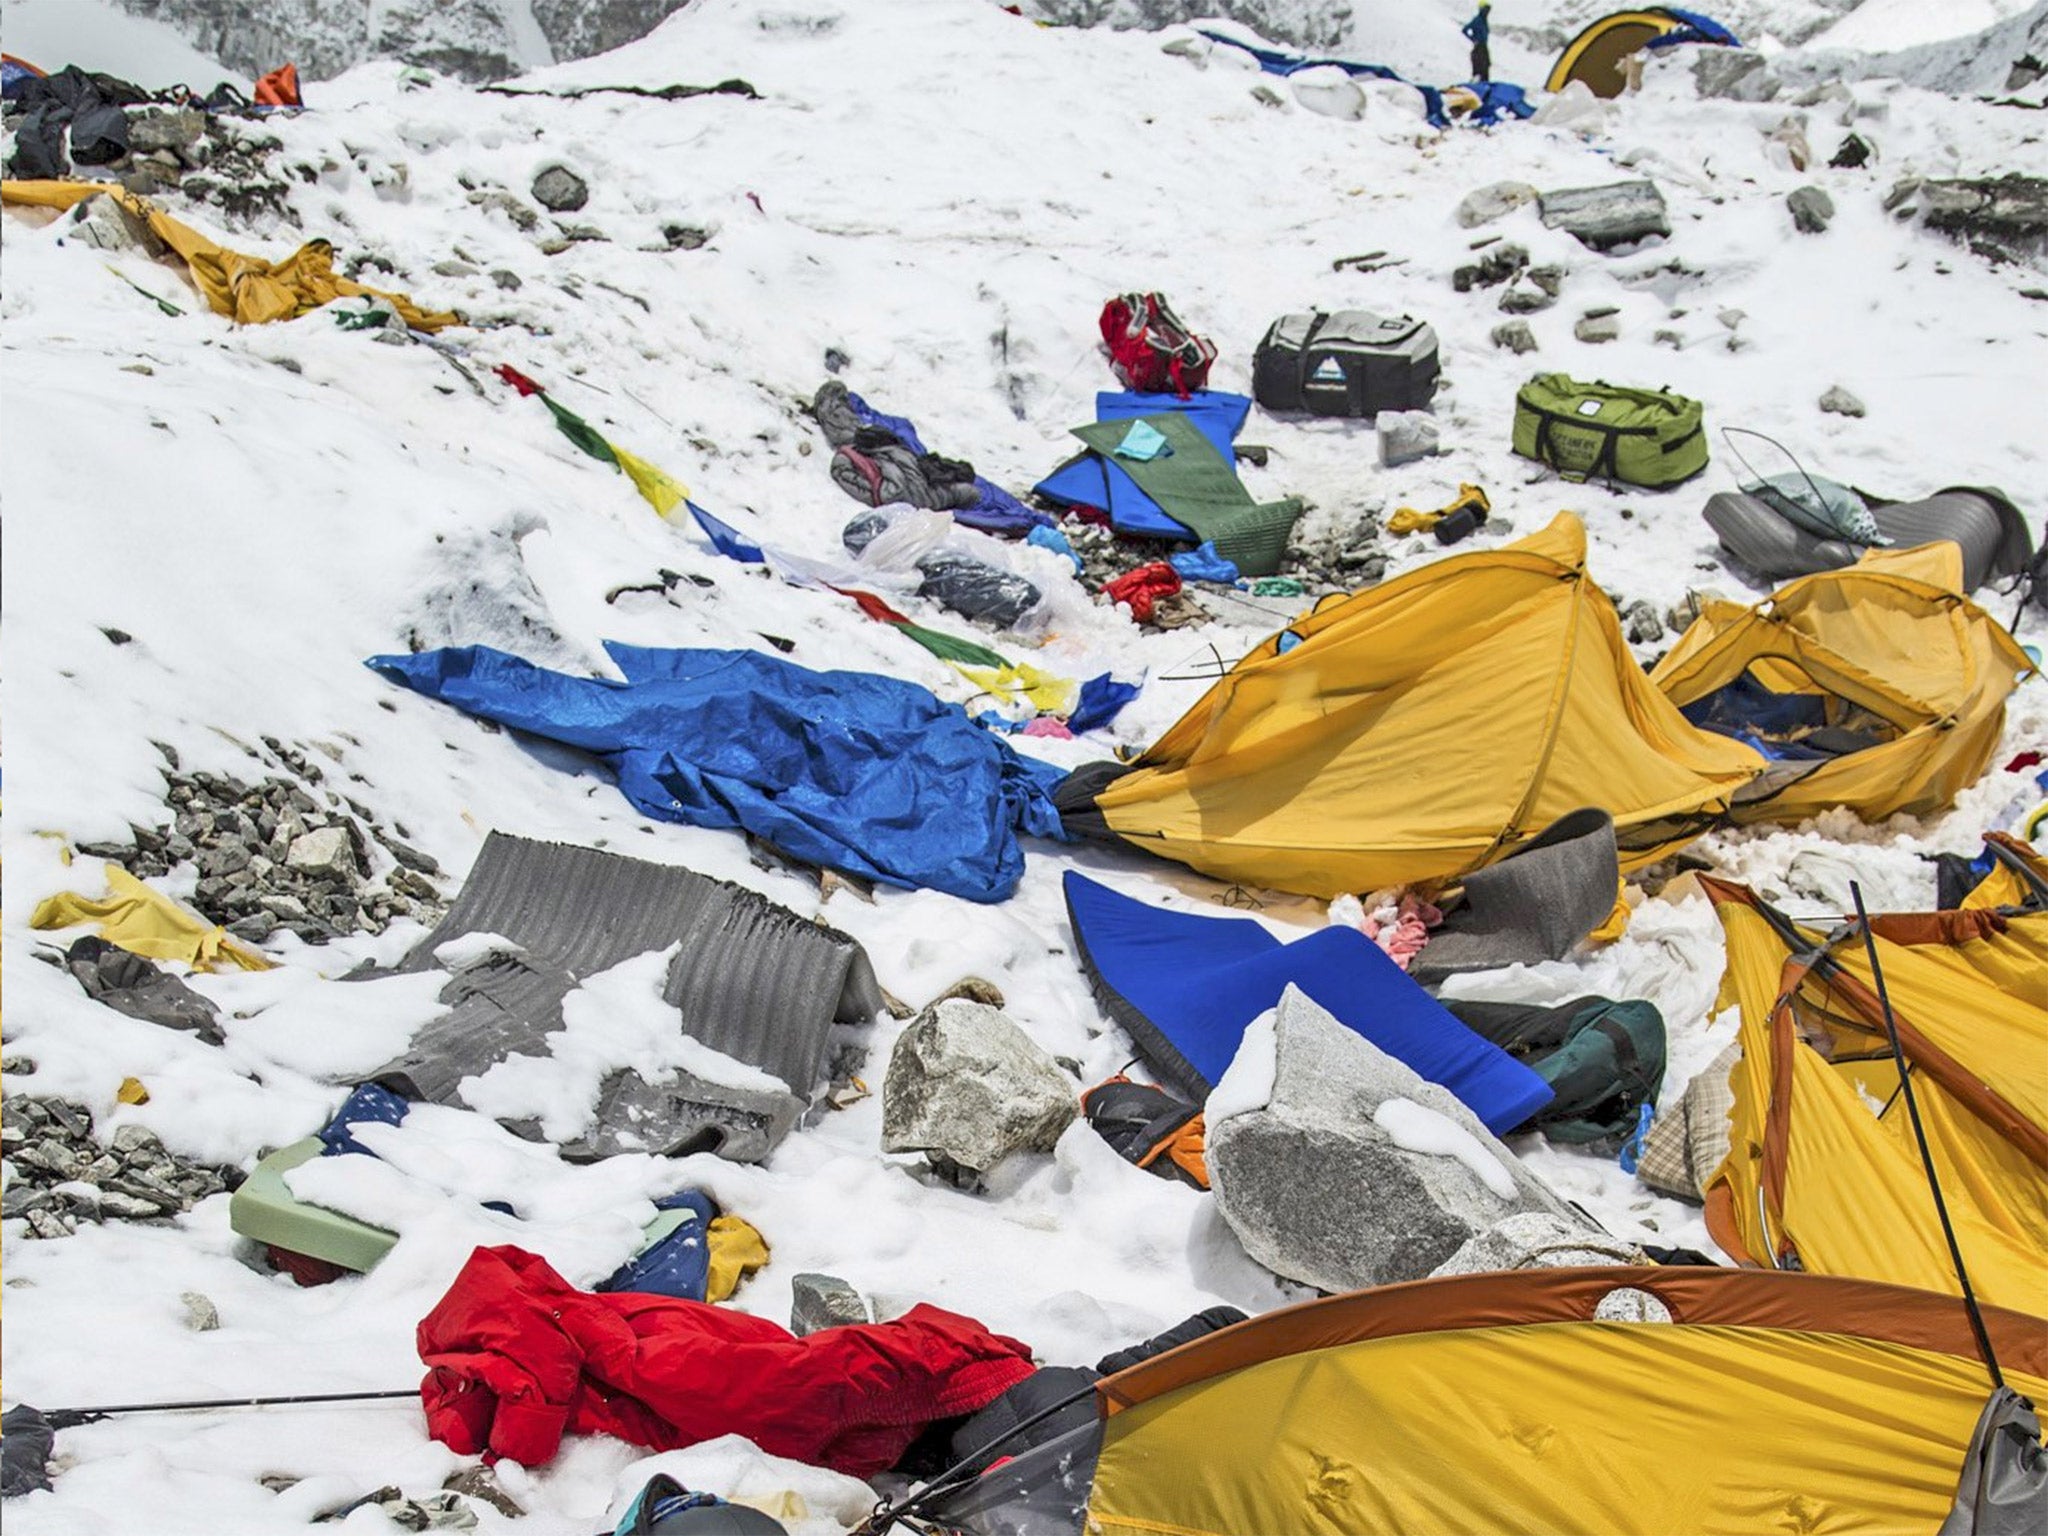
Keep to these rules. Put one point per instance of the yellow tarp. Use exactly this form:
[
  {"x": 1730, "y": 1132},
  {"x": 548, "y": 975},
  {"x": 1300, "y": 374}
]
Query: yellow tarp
[
  {"x": 1818, "y": 1089},
  {"x": 146, "y": 922},
  {"x": 1604, "y": 1429},
  {"x": 1422, "y": 729},
  {"x": 1897, "y": 649},
  {"x": 247, "y": 289},
  {"x": 1019, "y": 680}
]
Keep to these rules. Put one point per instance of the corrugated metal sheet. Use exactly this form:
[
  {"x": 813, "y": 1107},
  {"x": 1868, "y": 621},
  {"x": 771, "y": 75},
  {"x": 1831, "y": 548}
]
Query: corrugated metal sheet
[{"x": 752, "y": 979}]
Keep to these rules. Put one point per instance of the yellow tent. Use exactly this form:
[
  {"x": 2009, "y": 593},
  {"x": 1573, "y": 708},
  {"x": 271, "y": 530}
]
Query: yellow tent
[
  {"x": 247, "y": 289},
  {"x": 1823, "y": 1168},
  {"x": 1420, "y": 730},
  {"x": 1887, "y": 652},
  {"x": 1523, "y": 1402},
  {"x": 1595, "y": 56}
]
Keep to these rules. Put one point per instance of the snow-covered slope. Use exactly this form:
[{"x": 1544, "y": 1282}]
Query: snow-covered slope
[{"x": 943, "y": 195}]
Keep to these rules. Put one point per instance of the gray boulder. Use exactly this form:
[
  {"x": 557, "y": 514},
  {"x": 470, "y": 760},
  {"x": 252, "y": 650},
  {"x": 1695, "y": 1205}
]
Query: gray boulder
[
  {"x": 1812, "y": 209},
  {"x": 1536, "y": 1241},
  {"x": 2004, "y": 218},
  {"x": 1349, "y": 1170},
  {"x": 1515, "y": 335},
  {"x": 1839, "y": 402},
  {"x": 966, "y": 1083},
  {"x": 1733, "y": 74},
  {"x": 1494, "y": 202},
  {"x": 1406, "y": 436},
  {"x": 1595, "y": 329},
  {"x": 823, "y": 1301},
  {"x": 1619, "y": 213},
  {"x": 560, "y": 190}
]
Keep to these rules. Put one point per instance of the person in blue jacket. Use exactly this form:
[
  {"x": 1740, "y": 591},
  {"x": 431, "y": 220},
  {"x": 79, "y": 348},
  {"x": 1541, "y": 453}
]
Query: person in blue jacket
[{"x": 1476, "y": 33}]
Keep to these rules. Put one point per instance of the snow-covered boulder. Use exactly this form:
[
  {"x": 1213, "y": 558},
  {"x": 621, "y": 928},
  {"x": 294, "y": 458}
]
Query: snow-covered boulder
[{"x": 1336, "y": 1165}]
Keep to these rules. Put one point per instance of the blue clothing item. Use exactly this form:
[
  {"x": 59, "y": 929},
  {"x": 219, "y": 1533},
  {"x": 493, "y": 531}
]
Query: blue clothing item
[
  {"x": 1102, "y": 700},
  {"x": 844, "y": 770},
  {"x": 1497, "y": 97},
  {"x": 996, "y": 512},
  {"x": 680, "y": 1264},
  {"x": 1186, "y": 986},
  {"x": 725, "y": 538},
  {"x": 1632, "y": 1149},
  {"x": 371, "y": 1104},
  {"x": 1091, "y": 480},
  {"x": 1477, "y": 29},
  {"x": 1052, "y": 539},
  {"x": 1202, "y": 563}
]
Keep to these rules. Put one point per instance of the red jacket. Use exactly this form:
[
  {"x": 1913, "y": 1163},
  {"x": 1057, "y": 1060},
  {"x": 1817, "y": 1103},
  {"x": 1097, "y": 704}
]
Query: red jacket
[{"x": 517, "y": 1357}]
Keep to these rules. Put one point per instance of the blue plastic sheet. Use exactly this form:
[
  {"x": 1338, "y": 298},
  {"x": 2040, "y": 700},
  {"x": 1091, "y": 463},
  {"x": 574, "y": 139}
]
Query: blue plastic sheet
[
  {"x": 1186, "y": 986},
  {"x": 1102, "y": 700},
  {"x": 680, "y": 1264},
  {"x": 844, "y": 770},
  {"x": 1052, "y": 539},
  {"x": 1094, "y": 481}
]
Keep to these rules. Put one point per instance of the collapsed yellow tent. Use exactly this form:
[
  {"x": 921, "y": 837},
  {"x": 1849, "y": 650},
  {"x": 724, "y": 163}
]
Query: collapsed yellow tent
[
  {"x": 246, "y": 289},
  {"x": 1419, "y": 730},
  {"x": 144, "y": 921},
  {"x": 1523, "y": 1402},
  {"x": 1887, "y": 654},
  {"x": 1823, "y": 1170}
]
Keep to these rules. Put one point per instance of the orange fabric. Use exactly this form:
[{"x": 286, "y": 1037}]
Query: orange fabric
[
  {"x": 279, "y": 88},
  {"x": 1186, "y": 1149}
]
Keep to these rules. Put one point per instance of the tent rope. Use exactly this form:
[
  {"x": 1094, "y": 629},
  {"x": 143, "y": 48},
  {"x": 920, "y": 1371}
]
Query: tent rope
[{"x": 1955, "y": 1251}]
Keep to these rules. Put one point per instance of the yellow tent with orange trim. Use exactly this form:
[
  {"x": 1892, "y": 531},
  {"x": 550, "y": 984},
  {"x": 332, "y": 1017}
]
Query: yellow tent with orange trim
[
  {"x": 1823, "y": 1171},
  {"x": 1607, "y": 1402},
  {"x": 248, "y": 289}
]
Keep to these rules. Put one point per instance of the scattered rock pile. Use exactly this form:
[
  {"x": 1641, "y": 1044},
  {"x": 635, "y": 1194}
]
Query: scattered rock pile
[
  {"x": 281, "y": 853},
  {"x": 59, "y": 1174}
]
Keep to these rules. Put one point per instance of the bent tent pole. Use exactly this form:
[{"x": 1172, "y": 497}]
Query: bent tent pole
[{"x": 71, "y": 1418}]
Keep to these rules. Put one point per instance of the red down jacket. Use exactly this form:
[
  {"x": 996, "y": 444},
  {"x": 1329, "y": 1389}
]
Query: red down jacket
[{"x": 517, "y": 1357}]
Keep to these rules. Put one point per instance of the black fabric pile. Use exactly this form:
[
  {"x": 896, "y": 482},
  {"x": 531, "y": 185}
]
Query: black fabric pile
[{"x": 88, "y": 106}]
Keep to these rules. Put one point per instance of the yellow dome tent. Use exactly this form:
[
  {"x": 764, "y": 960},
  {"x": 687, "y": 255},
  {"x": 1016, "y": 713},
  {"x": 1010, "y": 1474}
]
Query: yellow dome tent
[
  {"x": 1594, "y": 57},
  {"x": 1419, "y": 730},
  {"x": 1885, "y": 658},
  {"x": 1679, "y": 1401},
  {"x": 1823, "y": 1171}
]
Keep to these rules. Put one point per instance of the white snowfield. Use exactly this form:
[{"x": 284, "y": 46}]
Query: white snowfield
[{"x": 946, "y": 194}]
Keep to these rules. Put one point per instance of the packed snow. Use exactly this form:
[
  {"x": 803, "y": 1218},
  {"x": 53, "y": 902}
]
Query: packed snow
[{"x": 943, "y": 195}]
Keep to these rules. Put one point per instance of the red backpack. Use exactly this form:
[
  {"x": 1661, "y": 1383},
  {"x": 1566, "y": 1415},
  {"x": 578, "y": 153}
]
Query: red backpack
[{"x": 1150, "y": 349}]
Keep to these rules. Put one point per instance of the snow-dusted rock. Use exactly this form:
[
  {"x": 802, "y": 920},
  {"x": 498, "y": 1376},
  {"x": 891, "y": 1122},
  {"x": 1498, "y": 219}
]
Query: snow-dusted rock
[
  {"x": 323, "y": 852},
  {"x": 1405, "y": 436},
  {"x": 1536, "y": 1240},
  {"x": 1336, "y": 1165},
  {"x": 964, "y": 1081},
  {"x": 1617, "y": 213},
  {"x": 1839, "y": 402},
  {"x": 1811, "y": 209},
  {"x": 560, "y": 190},
  {"x": 1494, "y": 202}
]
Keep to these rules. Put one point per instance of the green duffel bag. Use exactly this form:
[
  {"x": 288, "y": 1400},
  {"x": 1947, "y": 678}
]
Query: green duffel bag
[{"x": 1647, "y": 437}]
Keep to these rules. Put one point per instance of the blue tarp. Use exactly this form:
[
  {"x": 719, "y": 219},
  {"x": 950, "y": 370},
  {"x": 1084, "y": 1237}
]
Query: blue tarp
[
  {"x": 1185, "y": 986},
  {"x": 1696, "y": 29},
  {"x": 997, "y": 511},
  {"x": 1094, "y": 481},
  {"x": 680, "y": 1264},
  {"x": 1495, "y": 97},
  {"x": 844, "y": 770}
]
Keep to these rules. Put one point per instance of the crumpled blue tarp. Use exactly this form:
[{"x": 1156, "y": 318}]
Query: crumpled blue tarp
[
  {"x": 997, "y": 511},
  {"x": 844, "y": 770},
  {"x": 1202, "y": 563},
  {"x": 1093, "y": 480},
  {"x": 1495, "y": 97}
]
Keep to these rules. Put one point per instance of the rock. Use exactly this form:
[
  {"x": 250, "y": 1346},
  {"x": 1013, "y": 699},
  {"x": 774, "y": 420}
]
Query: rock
[
  {"x": 452, "y": 268},
  {"x": 1852, "y": 154},
  {"x": 1337, "y": 1166},
  {"x": 1496, "y": 266},
  {"x": 201, "y": 1315},
  {"x": 499, "y": 200},
  {"x": 560, "y": 190},
  {"x": 1644, "y": 627},
  {"x": 1548, "y": 278},
  {"x": 1811, "y": 209},
  {"x": 1619, "y": 213},
  {"x": 175, "y": 129},
  {"x": 1524, "y": 299},
  {"x": 1733, "y": 74},
  {"x": 823, "y": 1301},
  {"x": 2004, "y": 218},
  {"x": 1405, "y": 436},
  {"x": 1515, "y": 335},
  {"x": 481, "y": 1483},
  {"x": 1840, "y": 402},
  {"x": 506, "y": 279},
  {"x": 322, "y": 853},
  {"x": 975, "y": 990},
  {"x": 681, "y": 237},
  {"x": 1595, "y": 329},
  {"x": 1536, "y": 1240},
  {"x": 1494, "y": 202},
  {"x": 966, "y": 1082}
]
